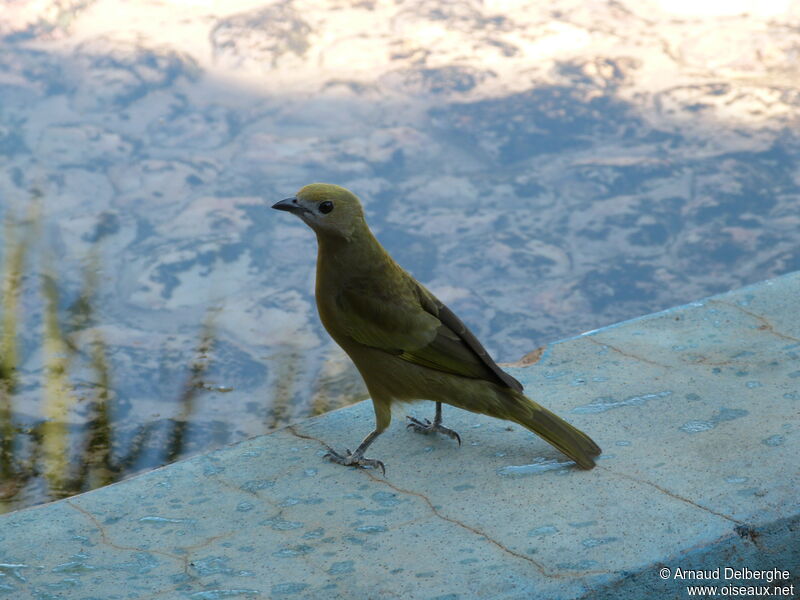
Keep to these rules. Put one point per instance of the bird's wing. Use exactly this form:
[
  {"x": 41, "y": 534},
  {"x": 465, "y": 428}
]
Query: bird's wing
[
  {"x": 452, "y": 326},
  {"x": 414, "y": 325}
]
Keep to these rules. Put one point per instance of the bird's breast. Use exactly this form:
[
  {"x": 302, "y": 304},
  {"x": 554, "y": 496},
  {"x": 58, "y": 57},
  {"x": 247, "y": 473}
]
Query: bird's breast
[{"x": 330, "y": 312}]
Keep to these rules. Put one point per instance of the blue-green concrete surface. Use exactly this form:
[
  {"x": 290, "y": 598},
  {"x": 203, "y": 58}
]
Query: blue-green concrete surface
[{"x": 696, "y": 409}]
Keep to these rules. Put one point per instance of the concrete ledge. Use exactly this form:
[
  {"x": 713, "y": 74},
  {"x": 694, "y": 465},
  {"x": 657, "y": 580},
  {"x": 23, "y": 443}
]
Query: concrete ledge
[{"x": 697, "y": 409}]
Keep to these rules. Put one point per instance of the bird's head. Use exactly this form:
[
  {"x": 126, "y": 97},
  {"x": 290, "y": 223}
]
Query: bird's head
[{"x": 328, "y": 209}]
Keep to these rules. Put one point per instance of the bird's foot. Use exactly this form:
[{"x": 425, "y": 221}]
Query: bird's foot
[
  {"x": 351, "y": 459},
  {"x": 427, "y": 427}
]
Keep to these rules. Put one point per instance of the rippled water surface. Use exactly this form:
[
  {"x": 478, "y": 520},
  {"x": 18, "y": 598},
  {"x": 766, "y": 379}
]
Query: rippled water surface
[{"x": 544, "y": 169}]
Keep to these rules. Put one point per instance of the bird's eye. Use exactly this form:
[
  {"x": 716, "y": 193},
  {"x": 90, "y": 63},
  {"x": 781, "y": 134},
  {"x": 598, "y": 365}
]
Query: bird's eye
[{"x": 325, "y": 207}]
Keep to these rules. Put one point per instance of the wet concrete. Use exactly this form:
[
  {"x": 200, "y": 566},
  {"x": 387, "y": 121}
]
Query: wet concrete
[{"x": 696, "y": 409}]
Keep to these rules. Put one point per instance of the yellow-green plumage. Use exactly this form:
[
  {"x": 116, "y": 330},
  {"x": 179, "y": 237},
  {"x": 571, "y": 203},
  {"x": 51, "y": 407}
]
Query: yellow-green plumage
[{"x": 406, "y": 344}]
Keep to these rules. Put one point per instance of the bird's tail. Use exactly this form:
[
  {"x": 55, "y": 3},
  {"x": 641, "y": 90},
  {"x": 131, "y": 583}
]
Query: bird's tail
[{"x": 570, "y": 440}]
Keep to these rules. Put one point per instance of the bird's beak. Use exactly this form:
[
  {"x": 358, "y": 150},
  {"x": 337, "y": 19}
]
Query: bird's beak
[{"x": 289, "y": 205}]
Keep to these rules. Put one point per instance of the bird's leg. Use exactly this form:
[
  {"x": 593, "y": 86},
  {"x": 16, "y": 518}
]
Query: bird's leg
[
  {"x": 428, "y": 427},
  {"x": 356, "y": 459}
]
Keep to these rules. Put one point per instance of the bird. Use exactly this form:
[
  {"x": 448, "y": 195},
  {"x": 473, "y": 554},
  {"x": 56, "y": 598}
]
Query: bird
[{"x": 406, "y": 344}]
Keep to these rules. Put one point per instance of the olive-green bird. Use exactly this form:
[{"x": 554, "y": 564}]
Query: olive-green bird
[{"x": 406, "y": 344}]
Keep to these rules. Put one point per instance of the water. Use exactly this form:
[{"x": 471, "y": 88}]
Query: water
[
  {"x": 543, "y": 530},
  {"x": 154, "y": 307},
  {"x": 538, "y": 467},
  {"x": 721, "y": 416},
  {"x": 774, "y": 440},
  {"x": 605, "y": 403}
]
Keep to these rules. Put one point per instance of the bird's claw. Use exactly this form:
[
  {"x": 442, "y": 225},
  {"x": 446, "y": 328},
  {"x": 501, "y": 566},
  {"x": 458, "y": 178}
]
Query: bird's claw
[
  {"x": 352, "y": 460},
  {"x": 427, "y": 427}
]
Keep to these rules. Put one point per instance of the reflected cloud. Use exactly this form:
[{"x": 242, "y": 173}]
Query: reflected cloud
[{"x": 561, "y": 166}]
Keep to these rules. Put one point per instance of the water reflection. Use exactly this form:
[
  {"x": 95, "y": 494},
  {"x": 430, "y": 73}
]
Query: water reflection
[
  {"x": 81, "y": 438},
  {"x": 545, "y": 169},
  {"x": 193, "y": 386},
  {"x": 14, "y": 472},
  {"x": 74, "y": 444}
]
